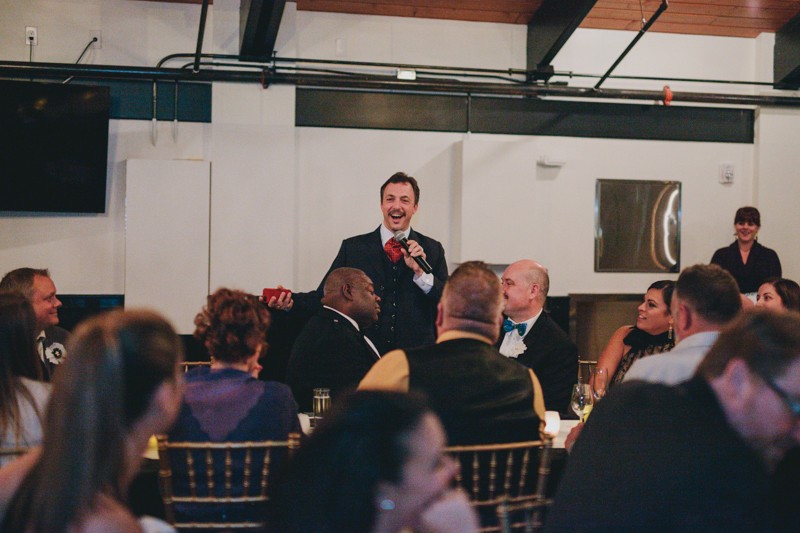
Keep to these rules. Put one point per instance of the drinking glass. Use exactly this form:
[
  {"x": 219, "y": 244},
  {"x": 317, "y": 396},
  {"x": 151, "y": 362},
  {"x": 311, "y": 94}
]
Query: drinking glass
[
  {"x": 322, "y": 403},
  {"x": 599, "y": 382},
  {"x": 582, "y": 400}
]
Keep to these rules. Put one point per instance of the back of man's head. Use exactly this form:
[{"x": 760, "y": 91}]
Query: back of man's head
[
  {"x": 767, "y": 341},
  {"x": 21, "y": 280},
  {"x": 711, "y": 292},
  {"x": 472, "y": 300}
]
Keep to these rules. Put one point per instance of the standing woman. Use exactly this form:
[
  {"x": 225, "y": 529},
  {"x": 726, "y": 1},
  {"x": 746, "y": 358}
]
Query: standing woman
[
  {"x": 747, "y": 261},
  {"x": 120, "y": 385},
  {"x": 651, "y": 334},
  {"x": 22, "y": 395}
]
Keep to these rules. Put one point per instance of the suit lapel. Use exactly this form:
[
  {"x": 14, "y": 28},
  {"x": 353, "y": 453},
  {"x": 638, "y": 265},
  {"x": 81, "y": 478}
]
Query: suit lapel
[
  {"x": 339, "y": 319},
  {"x": 373, "y": 252}
]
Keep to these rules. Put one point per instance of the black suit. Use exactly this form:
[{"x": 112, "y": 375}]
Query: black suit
[
  {"x": 408, "y": 315},
  {"x": 330, "y": 352},
  {"x": 553, "y": 357}
]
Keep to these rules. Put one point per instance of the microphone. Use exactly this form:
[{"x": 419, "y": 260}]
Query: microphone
[{"x": 399, "y": 237}]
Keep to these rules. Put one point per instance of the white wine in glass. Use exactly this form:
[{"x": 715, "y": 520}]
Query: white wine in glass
[{"x": 582, "y": 400}]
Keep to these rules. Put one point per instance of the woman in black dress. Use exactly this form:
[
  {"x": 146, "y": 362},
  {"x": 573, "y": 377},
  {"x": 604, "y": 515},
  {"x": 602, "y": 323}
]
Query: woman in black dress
[{"x": 747, "y": 261}]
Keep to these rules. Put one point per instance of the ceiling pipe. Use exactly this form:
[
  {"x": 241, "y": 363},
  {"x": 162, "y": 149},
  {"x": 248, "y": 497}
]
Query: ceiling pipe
[
  {"x": 24, "y": 70},
  {"x": 200, "y": 33},
  {"x": 661, "y": 9}
]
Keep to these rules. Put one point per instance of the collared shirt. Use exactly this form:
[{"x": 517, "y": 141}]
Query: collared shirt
[
  {"x": 391, "y": 373},
  {"x": 512, "y": 339},
  {"x": 423, "y": 281},
  {"x": 355, "y": 325},
  {"x": 677, "y": 365}
]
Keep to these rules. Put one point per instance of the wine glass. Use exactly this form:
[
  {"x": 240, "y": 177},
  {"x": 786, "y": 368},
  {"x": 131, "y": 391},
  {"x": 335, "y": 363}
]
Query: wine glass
[
  {"x": 582, "y": 400},
  {"x": 599, "y": 382}
]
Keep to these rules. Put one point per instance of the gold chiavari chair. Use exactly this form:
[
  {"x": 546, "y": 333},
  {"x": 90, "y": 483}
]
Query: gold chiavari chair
[
  {"x": 188, "y": 365},
  {"x": 523, "y": 517},
  {"x": 218, "y": 480},
  {"x": 495, "y": 474}
]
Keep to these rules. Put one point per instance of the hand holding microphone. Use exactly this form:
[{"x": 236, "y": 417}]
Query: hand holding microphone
[{"x": 423, "y": 264}]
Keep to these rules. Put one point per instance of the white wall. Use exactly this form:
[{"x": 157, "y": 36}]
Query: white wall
[{"x": 283, "y": 197}]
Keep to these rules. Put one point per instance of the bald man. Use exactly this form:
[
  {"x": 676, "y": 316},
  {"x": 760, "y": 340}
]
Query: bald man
[
  {"x": 532, "y": 338},
  {"x": 332, "y": 351}
]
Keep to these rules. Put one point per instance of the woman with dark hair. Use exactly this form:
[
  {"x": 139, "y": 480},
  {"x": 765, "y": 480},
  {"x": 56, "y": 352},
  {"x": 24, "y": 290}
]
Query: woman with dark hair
[
  {"x": 22, "y": 396},
  {"x": 651, "y": 334},
  {"x": 780, "y": 294},
  {"x": 747, "y": 261},
  {"x": 120, "y": 385},
  {"x": 227, "y": 402},
  {"x": 375, "y": 465}
]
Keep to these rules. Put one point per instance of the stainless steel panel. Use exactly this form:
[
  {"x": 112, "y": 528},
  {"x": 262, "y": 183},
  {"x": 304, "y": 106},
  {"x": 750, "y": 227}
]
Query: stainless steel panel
[{"x": 637, "y": 226}]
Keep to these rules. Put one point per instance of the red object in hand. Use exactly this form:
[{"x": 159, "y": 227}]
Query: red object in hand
[{"x": 267, "y": 294}]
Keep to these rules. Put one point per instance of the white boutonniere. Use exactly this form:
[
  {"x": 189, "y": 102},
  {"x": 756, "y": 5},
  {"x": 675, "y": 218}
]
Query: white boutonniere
[
  {"x": 516, "y": 348},
  {"x": 55, "y": 353}
]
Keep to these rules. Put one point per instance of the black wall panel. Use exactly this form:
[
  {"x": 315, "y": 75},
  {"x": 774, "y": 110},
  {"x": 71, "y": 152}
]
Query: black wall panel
[
  {"x": 393, "y": 111},
  {"x": 523, "y": 116}
]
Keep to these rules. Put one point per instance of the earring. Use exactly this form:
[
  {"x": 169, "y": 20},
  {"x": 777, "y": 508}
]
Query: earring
[
  {"x": 669, "y": 334},
  {"x": 387, "y": 505}
]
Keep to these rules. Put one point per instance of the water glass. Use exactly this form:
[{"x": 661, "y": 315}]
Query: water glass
[
  {"x": 322, "y": 403},
  {"x": 599, "y": 382}
]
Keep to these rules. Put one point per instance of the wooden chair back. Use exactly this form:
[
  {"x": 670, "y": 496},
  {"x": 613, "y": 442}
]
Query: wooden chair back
[
  {"x": 218, "y": 480},
  {"x": 495, "y": 474},
  {"x": 188, "y": 365},
  {"x": 522, "y": 517}
]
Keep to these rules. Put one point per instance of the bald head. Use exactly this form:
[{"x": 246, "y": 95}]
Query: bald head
[
  {"x": 471, "y": 301},
  {"x": 525, "y": 287},
  {"x": 350, "y": 291}
]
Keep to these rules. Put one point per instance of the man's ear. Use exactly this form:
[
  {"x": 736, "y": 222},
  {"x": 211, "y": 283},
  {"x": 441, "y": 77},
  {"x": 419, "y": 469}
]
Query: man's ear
[
  {"x": 347, "y": 292},
  {"x": 739, "y": 382},
  {"x": 439, "y": 315},
  {"x": 685, "y": 317}
]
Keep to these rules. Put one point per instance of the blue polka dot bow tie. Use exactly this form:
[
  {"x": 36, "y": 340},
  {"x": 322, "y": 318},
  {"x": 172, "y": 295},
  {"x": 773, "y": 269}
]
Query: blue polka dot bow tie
[{"x": 508, "y": 325}]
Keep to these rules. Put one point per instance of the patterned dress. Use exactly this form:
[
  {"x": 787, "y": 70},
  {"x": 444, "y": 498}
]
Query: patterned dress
[{"x": 641, "y": 345}]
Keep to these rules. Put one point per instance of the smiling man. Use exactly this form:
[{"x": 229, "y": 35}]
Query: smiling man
[
  {"x": 408, "y": 295},
  {"x": 37, "y": 286},
  {"x": 532, "y": 338}
]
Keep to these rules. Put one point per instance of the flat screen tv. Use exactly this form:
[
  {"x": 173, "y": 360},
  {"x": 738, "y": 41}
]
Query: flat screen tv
[{"x": 53, "y": 147}]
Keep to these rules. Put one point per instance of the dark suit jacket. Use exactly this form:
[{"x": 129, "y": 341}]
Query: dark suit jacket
[
  {"x": 658, "y": 458},
  {"x": 412, "y": 321},
  {"x": 329, "y": 353},
  {"x": 553, "y": 357}
]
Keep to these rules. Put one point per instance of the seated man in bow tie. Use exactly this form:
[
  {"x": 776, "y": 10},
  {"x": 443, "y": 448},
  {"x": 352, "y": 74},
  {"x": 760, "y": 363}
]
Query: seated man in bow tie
[
  {"x": 531, "y": 337},
  {"x": 37, "y": 286},
  {"x": 332, "y": 351}
]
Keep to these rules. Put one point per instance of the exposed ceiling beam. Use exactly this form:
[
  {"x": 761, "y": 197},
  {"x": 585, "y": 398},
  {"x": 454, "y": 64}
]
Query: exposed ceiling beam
[
  {"x": 259, "y": 21},
  {"x": 786, "y": 63},
  {"x": 549, "y": 29}
]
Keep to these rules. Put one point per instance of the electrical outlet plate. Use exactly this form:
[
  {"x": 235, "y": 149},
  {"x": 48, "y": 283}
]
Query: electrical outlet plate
[
  {"x": 31, "y": 36},
  {"x": 95, "y": 34},
  {"x": 726, "y": 173}
]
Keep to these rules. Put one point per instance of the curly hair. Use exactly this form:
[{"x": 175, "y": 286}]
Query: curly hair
[{"x": 231, "y": 325}]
